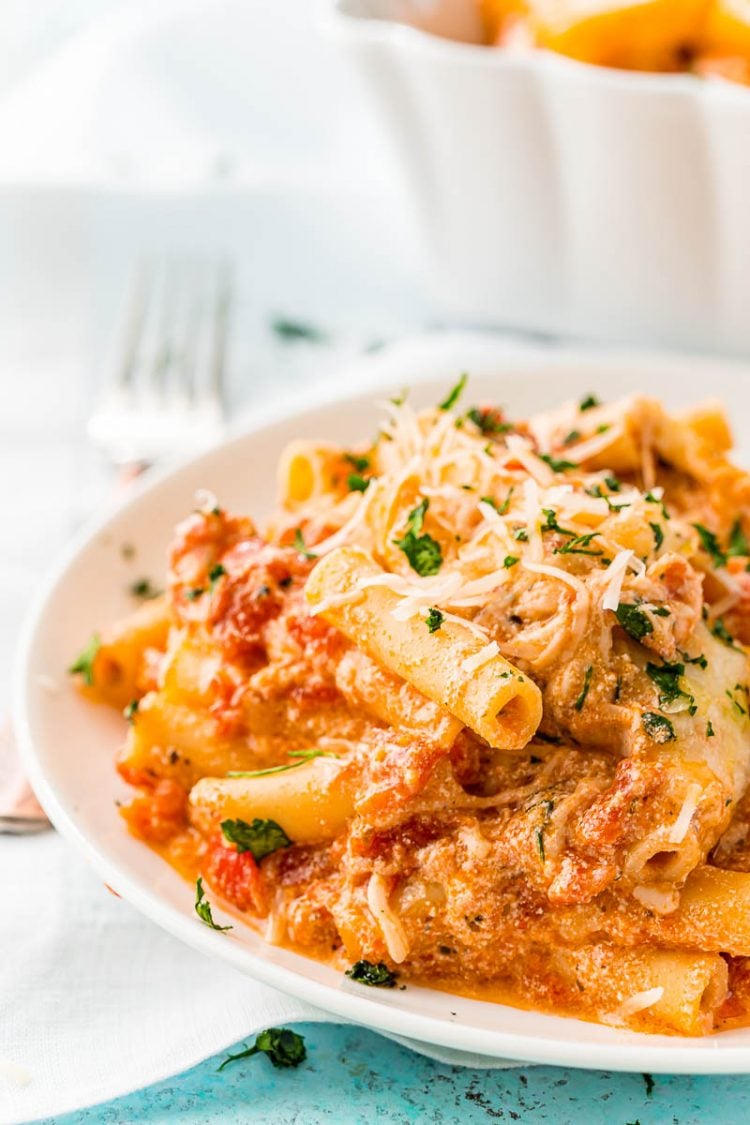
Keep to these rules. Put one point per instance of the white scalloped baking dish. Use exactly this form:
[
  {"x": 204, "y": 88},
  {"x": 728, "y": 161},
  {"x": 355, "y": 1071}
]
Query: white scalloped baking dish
[{"x": 561, "y": 197}]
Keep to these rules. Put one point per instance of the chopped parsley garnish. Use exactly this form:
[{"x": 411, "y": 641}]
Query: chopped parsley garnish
[
  {"x": 603, "y": 428},
  {"x": 661, "y": 611},
  {"x": 658, "y": 534},
  {"x": 299, "y": 545},
  {"x": 710, "y": 732},
  {"x": 130, "y": 710},
  {"x": 596, "y": 490},
  {"x": 711, "y": 544},
  {"x": 738, "y": 544},
  {"x": 700, "y": 660},
  {"x": 423, "y": 552},
  {"x": 667, "y": 679},
  {"x": 720, "y": 630},
  {"x": 302, "y": 756},
  {"x": 356, "y": 483},
  {"x": 501, "y": 509},
  {"x": 539, "y": 837},
  {"x": 84, "y": 665},
  {"x": 488, "y": 420},
  {"x": 260, "y": 837},
  {"x": 586, "y": 685},
  {"x": 144, "y": 588},
  {"x": 510, "y": 560},
  {"x": 734, "y": 700},
  {"x": 557, "y": 465},
  {"x": 434, "y": 619},
  {"x": 194, "y": 593},
  {"x": 281, "y": 1046},
  {"x": 588, "y": 403},
  {"x": 214, "y": 574},
  {"x": 579, "y": 545},
  {"x": 551, "y": 524},
  {"x": 521, "y": 535},
  {"x": 634, "y": 621},
  {"x": 359, "y": 464},
  {"x": 454, "y": 394},
  {"x": 376, "y": 976},
  {"x": 655, "y": 500},
  {"x": 203, "y": 908},
  {"x": 572, "y": 437},
  {"x": 290, "y": 330},
  {"x": 612, "y": 484},
  {"x": 657, "y": 727}
]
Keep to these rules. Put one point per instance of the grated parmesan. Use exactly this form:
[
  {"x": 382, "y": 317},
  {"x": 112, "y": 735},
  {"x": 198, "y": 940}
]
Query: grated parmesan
[
  {"x": 386, "y": 919},
  {"x": 680, "y": 827},
  {"x": 638, "y": 1002},
  {"x": 615, "y": 576},
  {"x": 479, "y": 659}
]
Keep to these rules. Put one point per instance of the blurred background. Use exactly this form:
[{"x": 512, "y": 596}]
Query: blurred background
[{"x": 226, "y": 130}]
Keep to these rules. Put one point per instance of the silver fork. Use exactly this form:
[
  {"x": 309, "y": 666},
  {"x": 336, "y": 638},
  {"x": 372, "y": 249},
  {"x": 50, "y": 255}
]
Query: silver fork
[{"x": 165, "y": 398}]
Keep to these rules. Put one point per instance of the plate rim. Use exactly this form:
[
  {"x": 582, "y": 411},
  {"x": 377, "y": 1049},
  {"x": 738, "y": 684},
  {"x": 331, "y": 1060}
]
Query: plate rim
[{"x": 705, "y": 1056}]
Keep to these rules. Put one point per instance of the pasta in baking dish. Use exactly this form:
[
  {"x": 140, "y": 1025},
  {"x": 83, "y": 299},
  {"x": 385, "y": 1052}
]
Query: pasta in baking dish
[{"x": 471, "y": 711}]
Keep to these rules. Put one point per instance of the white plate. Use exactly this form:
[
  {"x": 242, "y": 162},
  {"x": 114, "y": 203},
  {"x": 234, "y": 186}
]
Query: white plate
[{"x": 69, "y": 745}]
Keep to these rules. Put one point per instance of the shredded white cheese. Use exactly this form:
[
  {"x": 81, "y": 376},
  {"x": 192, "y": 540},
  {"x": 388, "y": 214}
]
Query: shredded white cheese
[
  {"x": 479, "y": 659},
  {"x": 206, "y": 501},
  {"x": 389, "y": 923},
  {"x": 638, "y": 1002},
  {"x": 680, "y": 827},
  {"x": 615, "y": 576}
]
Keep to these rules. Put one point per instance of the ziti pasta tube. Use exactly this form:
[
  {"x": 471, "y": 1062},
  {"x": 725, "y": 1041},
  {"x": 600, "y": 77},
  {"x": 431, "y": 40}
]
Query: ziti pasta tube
[{"x": 451, "y": 666}]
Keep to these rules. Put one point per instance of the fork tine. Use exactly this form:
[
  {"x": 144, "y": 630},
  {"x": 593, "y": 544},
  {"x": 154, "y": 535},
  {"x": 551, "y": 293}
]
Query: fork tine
[
  {"x": 222, "y": 310},
  {"x": 135, "y": 319},
  {"x": 164, "y": 348}
]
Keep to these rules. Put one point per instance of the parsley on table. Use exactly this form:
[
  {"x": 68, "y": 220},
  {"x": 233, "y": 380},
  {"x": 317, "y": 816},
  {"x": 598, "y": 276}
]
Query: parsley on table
[
  {"x": 634, "y": 621},
  {"x": 302, "y": 756},
  {"x": 658, "y": 534},
  {"x": 260, "y": 837},
  {"x": 282, "y": 1047},
  {"x": 357, "y": 483},
  {"x": 376, "y": 976},
  {"x": 657, "y": 727},
  {"x": 588, "y": 403},
  {"x": 434, "y": 619},
  {"x": 203, "y": 909},
  {"x": 299, "y": 545},
  {"x": 557, "y": 465},
  {"x": 711, "y": 545},
  {"x": 84, "y": 665},
  {"x": 586, "y": 685},
  {"x": 291, "y": 331},
  {"x": 454, "y": 394},
  {"x": 423, "y": 552}
]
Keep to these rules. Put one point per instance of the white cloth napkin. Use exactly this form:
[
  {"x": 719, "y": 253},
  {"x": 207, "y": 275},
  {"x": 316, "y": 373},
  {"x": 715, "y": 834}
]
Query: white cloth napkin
[{"x": 96, "y": 1001}]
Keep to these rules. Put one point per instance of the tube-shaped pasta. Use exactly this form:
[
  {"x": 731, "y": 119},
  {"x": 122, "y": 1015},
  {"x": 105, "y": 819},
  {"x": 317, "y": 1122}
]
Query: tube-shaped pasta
[
  {"x": 487, "y": 694},
  {"x": 713, "y": 914},
  {"x": 312, "y": 802},
  {"x": 392, "y": 700},
  {"x": 651, "y": 989},
  {"x": 305, "y": 471},
  {"x": 119, "y": 658}
]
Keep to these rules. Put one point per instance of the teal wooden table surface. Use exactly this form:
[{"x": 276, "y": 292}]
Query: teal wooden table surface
[{"x": 352, "y": 1075}]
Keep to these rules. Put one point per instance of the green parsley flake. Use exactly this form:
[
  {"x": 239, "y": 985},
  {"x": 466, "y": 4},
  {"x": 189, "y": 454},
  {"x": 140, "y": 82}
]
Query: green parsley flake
[
  {"x": 203, "y": 909},
  {"x": 423, "y": 552},
  {"x": 376, "y": 976},
  {"x": 572, "y": 437},
  {"x": 634, "y": 621},
  {"x": 579, "y": 546},
  {"x": 302, "y": 756},
  {"x": 434, "y": 619},
  {"x": 488, "y": 420},
  {"x": 356, "y": 483},
  {"x": 586, "y": 685},
  {"x": 658, "y": 534},
  {"x": 521, "y": 535},
  {"x": 282, "y": 1047},
  {"x": 299, "y": 545},
  {"x": 194, "y": 593},
  {"x": 655, "y": 500},
  {"x": 667, "y": 679},
  {"x": 144, "y": 589},
  {"x": 657, "y": 727},
  {"x": 539, "y": 837},
  {"x": 551, "y": 523},
  {"x": 710, "y": 732},
  {"x": 454, "y": 394},
  {"x": 130, "y": 711},
  {"x": 738, "y": 544},
  {"x": 359, "y": 464},
  {"x": 214, "y": 574},
  {"x": 711, "y": 545},
  {"x": 510, "y": 560},
  {"x": 720, "y": 631},
  {"x": 557, "y": 465},
  {"x": 260, "y": 837},
  {"x": 588, "y": 403},
  {"x": 84, "y": 665}
]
